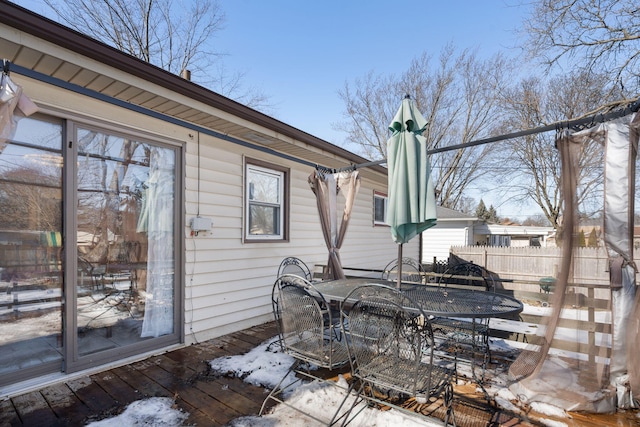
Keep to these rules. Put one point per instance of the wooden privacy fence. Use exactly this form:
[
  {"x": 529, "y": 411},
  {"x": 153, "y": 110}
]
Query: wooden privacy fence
[{"x": 590, "y": 265}]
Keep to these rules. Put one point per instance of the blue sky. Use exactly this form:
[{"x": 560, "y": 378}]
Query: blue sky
[{"x": 301, "y": 53}]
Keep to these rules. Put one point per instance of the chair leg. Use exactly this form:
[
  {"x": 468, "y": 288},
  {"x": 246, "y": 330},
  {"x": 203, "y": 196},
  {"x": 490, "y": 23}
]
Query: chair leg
[
  {"x": 346, "y": 417},
  {"x": 278, "y": 389},
  {"x": 301, "y": 375},
  {"x": 448, "y": 402}
]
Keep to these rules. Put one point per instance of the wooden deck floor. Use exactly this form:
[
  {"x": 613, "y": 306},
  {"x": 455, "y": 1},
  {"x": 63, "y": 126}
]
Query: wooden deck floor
[{"x": 211, "y": 400}]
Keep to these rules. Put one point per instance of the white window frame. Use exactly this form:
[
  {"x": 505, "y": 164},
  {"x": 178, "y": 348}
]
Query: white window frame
[
  {"x": 380, "y": 196},
  {"x": 281, "y": 174}
]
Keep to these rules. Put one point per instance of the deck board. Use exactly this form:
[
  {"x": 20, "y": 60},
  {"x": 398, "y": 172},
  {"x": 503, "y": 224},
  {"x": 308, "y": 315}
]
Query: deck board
[
  {"x": 213, "y": 399},
  {"x": 33, "y": 410},
  {"x": 92, "y": 395},
  {"x": 8, "y": 414},
  {"x": 114, "y": 386},
  {"x": 65, "y": 404},
  {"x": 141, "y": 383}
]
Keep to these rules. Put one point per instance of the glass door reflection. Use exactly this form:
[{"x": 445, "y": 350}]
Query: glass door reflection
[
  {"x": 126, "y": 202},
  {"x": 31, "y": 250}
]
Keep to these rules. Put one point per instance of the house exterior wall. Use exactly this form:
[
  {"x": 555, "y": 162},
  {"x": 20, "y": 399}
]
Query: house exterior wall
[{"x": 228, "y": 283}]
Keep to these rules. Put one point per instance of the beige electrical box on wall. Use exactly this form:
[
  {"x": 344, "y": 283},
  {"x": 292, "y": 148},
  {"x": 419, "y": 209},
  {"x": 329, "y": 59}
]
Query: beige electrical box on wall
[{"x": 201, "y": 224}]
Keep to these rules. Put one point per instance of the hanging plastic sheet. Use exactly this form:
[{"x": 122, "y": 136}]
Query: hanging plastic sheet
[
  {"x": 607, "y": 376},
  {"x": 620, "y": 163},
  {"x": 11, "y": 99}
]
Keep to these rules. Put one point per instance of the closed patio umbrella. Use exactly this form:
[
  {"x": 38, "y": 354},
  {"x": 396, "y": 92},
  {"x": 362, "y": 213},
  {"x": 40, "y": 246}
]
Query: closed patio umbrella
[{"x": 412, "y": 203}]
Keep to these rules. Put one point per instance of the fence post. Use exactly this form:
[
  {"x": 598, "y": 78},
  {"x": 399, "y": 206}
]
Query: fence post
[{"x": 592, "y": 324}]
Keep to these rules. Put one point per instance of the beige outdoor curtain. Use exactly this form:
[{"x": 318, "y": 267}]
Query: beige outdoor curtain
[
  {"x": 326, "y": 187},
  {"x": 609, "y": 376}
]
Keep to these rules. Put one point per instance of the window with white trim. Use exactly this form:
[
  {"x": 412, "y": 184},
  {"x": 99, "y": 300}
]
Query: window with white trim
[
  {"x": 379, "y": 208},
  {"x": 265, "y": 197}
]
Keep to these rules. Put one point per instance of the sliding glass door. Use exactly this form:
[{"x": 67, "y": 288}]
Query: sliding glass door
[
  {"x": 126, "y": 211},
  {"x": 113, "y": 289}
]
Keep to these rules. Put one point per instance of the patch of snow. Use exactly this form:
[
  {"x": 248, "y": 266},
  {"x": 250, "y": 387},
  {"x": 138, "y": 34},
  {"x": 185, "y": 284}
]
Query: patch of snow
[
  {"x": 547, "y": 409},
  {"x": 263, "y": 366},
  {"x": 553, "y": 423},
  {"x": 153, "y": 412}
]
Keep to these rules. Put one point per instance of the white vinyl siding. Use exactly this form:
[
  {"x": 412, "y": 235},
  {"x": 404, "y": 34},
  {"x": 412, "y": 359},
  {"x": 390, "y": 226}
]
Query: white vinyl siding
[{"x": 437, "y": 241}]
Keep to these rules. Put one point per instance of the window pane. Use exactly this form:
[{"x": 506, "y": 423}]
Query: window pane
[
  {"x": 264, "y": 186},
  {"x": 379, "y": 209},
  {"x": 265, "y": 202},
  {"x": 264, "y": 220}
]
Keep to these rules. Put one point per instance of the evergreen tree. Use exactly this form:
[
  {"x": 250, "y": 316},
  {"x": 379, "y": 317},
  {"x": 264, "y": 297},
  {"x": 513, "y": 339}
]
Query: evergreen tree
[
  {"x": 481, "y": 211},
  {"x": 487, "y": 215},
  {"x": 582, "y": 241},
  {"x": 593, "y": 238},
  {"x": 493, "y": 215}
]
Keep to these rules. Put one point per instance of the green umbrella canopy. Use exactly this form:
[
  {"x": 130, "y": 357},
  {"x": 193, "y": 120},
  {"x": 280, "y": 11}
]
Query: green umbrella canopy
[{"x": 412, "y": 203}]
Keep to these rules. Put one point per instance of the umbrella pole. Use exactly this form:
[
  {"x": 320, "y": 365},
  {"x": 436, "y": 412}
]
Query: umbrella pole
[{"x": 399, "y": 265}]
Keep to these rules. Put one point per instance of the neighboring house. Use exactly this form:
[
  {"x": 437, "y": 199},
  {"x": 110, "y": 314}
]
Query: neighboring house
[
  {"x": 512, "y": 235},
  {"x": 175, "y": 206},
  {"x": 452, "y": 228},
  {"x": 455, "y": 228}
]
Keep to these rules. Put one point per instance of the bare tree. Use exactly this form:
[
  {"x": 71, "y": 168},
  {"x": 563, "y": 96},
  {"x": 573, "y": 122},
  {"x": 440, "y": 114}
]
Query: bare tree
[
  {"x": 599, "y": 36},
  {"x": 459, "y": 98},
  {"x": 534, "y": 164},
  {"x": 171, "y": 36},
  {"x": 175, "y": 35},
  {"x": 31, "y": 198}
]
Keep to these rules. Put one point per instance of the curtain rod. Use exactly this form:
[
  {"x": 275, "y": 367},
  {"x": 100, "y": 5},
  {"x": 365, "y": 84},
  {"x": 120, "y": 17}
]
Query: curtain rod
[{"x": 564, "y": 124}]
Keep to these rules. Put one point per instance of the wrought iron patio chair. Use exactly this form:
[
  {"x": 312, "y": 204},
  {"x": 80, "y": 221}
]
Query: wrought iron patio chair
[
  {"x": 293, "y": 265},
  {"x": 411, "y": 271},
  {"x": 390, "y": 342},
  {"x": 466, "y": 339},
  {"x": 306, "y": 331},
  {"x": 468, "y": 274}
]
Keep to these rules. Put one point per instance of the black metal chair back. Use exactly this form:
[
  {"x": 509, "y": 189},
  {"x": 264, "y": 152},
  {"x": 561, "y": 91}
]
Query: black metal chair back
[
  {"x": 308, "y": 332},
  {"x": 468, "y": 274},
  {"x": 391, "y": 343},
  {"x": 293, "y": 265},
  {"x": 466, "y": 339},
  {"x": 411, "y": 271},
  {"x": 307, "y": 328}
]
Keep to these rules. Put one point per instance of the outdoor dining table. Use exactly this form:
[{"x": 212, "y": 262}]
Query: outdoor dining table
[
  {"x": 476, "y": 306},
  {"x": 436, "y": 301}
]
